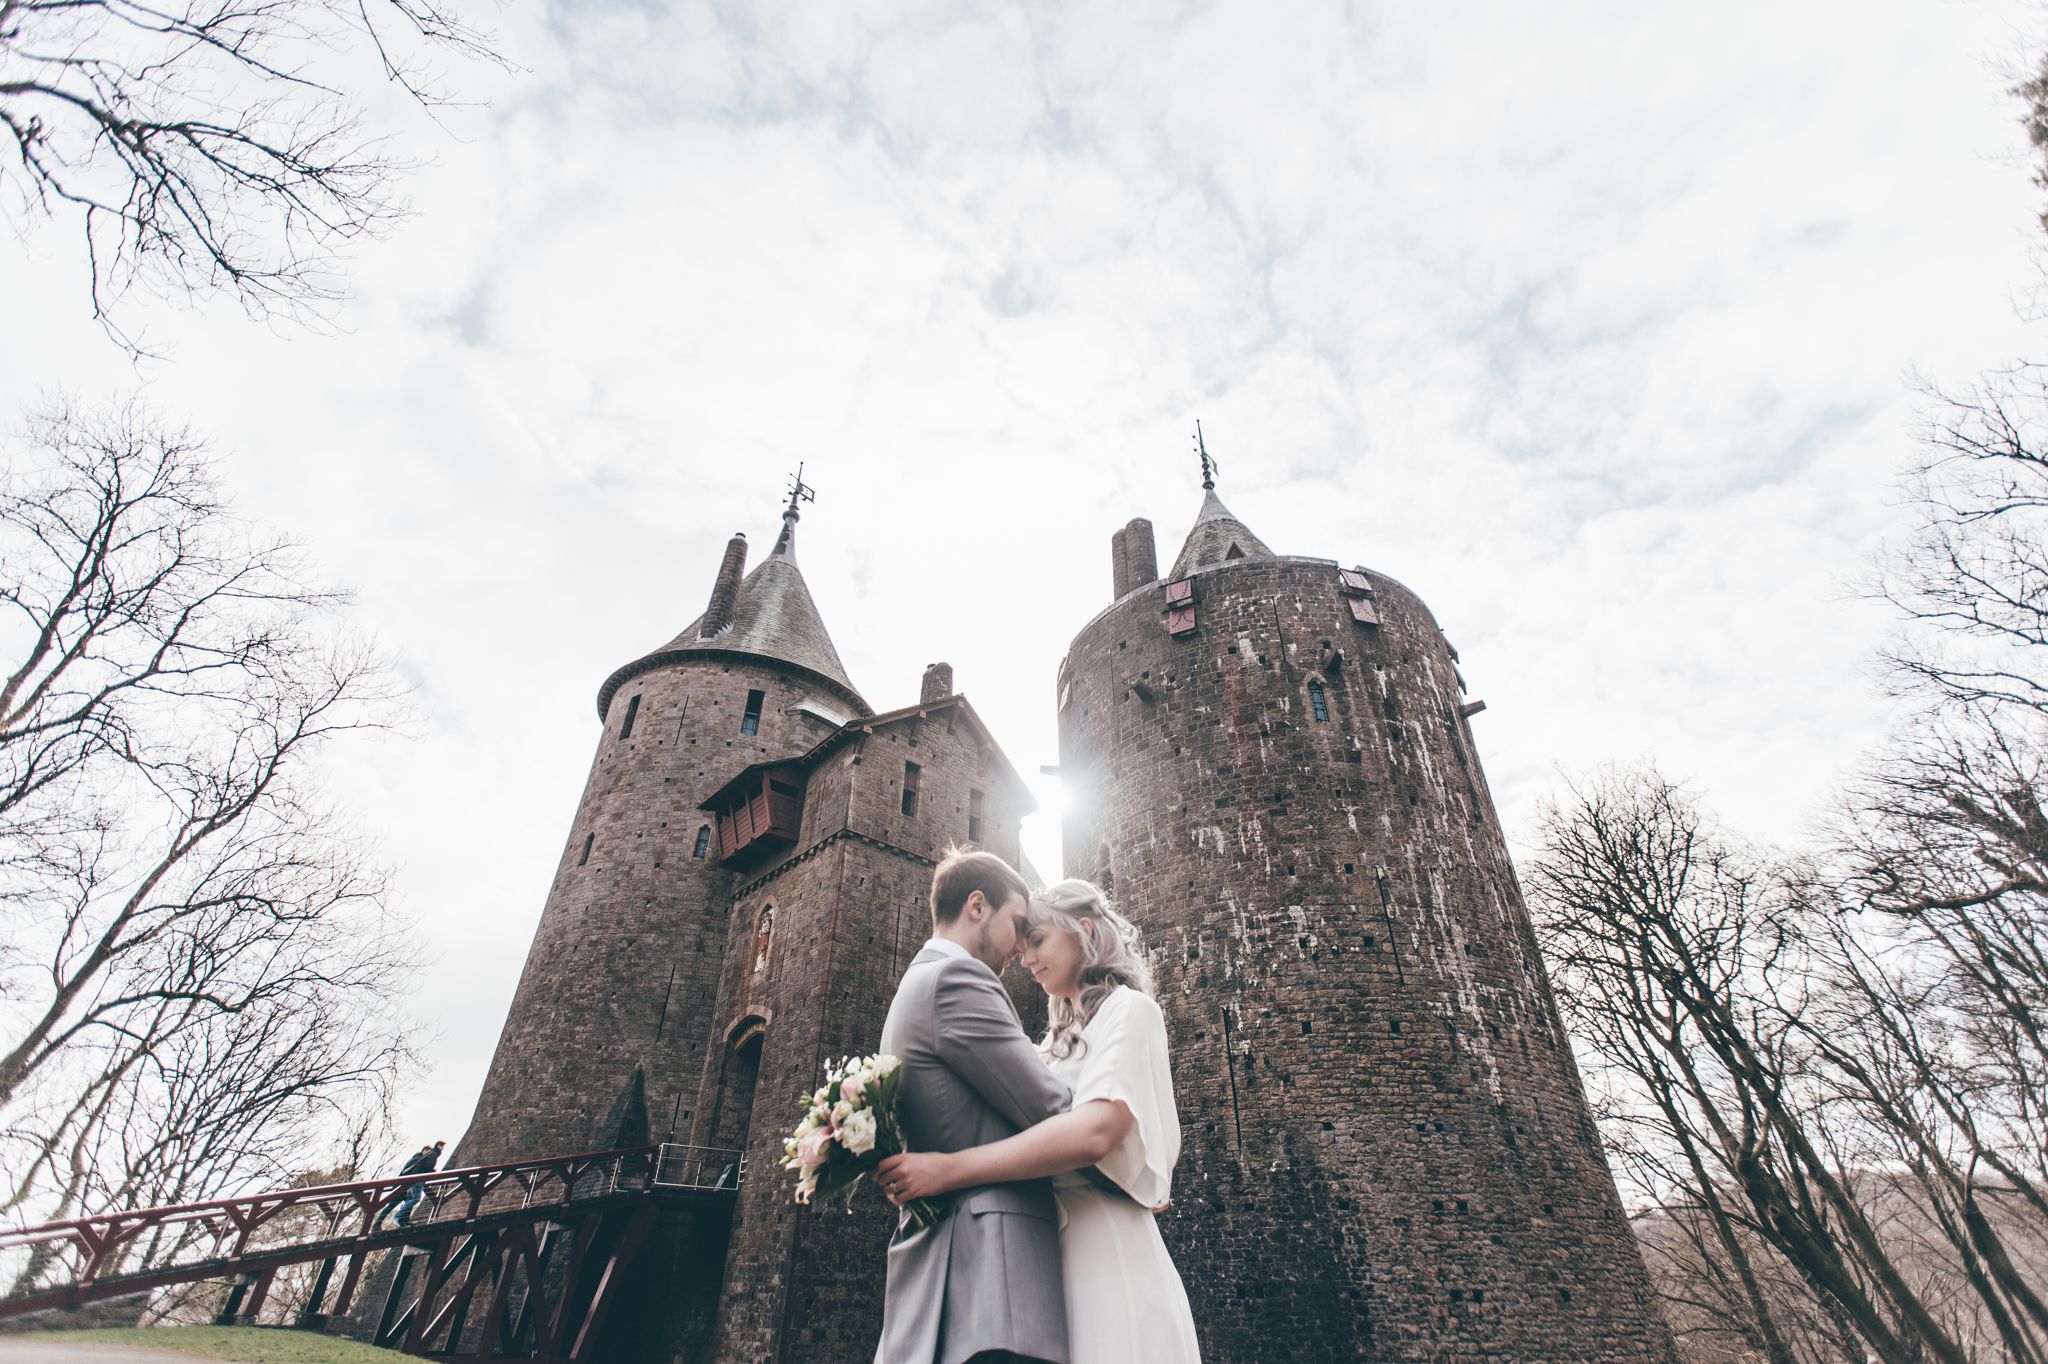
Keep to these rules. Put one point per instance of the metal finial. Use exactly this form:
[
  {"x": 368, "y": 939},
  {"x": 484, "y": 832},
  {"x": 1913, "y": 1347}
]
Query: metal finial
[
  {"x": 1208, "y": 463},
  {"x": 799, "y": 491}
]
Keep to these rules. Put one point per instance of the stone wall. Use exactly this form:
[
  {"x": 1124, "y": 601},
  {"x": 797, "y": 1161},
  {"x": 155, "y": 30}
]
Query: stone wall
[
  {"x": 1387, "y": 1151},
  {"x": 625, "y": 964}
]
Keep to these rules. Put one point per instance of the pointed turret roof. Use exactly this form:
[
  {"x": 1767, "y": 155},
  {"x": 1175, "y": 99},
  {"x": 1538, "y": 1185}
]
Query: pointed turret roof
[
  {"x": 1217, "y": 536},
  {"x": 773, "y": 617}
]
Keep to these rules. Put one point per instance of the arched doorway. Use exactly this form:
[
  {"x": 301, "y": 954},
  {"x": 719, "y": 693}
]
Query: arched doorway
[{"x": 737, "y": 1079}]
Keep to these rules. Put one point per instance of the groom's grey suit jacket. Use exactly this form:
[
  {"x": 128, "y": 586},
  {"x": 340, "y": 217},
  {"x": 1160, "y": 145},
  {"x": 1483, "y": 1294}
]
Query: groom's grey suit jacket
[{"x": 987, "y": 1277}]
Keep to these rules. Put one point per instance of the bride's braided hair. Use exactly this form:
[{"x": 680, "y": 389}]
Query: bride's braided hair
[{"x": 1110, "y": 955}]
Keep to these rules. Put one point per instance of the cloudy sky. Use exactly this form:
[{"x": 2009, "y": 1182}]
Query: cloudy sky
[{"x": 1592, "y": 322}]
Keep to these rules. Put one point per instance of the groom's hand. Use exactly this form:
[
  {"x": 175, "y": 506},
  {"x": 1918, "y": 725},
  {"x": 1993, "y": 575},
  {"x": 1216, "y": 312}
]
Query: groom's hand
[{"x": 914, "y": 1174}]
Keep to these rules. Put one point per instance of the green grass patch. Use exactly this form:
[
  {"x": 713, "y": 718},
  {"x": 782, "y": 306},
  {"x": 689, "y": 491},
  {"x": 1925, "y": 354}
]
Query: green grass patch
[{"x": 245, "y": 1344}]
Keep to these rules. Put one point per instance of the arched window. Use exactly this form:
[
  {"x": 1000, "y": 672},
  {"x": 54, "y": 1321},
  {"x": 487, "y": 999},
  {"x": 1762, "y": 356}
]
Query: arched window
[
  {"x": 763, "y": 937},
  {"x": 703, "y": 841},
  {"x": 1318, "y": 703}
]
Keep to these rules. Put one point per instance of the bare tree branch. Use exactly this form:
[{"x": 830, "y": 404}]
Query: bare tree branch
[
  {"x": 200, "y": 979},
  {"x": 210, "y": 146}
]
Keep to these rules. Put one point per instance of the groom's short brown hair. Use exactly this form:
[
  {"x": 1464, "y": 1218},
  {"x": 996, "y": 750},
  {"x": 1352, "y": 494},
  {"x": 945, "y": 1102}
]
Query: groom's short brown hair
[{"x": 963, "y": 871}]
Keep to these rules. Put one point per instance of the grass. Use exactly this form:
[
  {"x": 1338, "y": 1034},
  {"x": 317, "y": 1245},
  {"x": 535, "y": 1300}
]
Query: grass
[{"x": 241, "y": 1343}]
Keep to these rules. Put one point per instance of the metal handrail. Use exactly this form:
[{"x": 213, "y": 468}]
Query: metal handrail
[{"x": 677, "y": 1166}]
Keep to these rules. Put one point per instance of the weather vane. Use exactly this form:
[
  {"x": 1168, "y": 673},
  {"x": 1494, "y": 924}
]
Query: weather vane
[
  {"x": 1208, "y": 463},
  {"x": 800, "y": 491}
]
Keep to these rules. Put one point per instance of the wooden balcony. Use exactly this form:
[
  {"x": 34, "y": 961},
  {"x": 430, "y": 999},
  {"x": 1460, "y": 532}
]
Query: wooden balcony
[{"x": 759, "y": 814}]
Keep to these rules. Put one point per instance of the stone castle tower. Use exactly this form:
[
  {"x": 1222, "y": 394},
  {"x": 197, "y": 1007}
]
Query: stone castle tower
[
  {"x": 741, "y": 887},
  {"x": 1387, "y": 1152}
]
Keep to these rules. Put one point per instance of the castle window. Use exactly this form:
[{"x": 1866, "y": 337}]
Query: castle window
[
  {"x": 974, "y": 800},
  {"x": 1317, "y": 702},
  {"x": 587, "y": 841},
  {"x": 763, "y": 936},
  {"x": 750, "y": 723},
  {"x": 703, "y": 841},
  {"x": 632, "y": 709},
  {"x": 912, "y": 774},
  {"x": 1180, "y": 607}
]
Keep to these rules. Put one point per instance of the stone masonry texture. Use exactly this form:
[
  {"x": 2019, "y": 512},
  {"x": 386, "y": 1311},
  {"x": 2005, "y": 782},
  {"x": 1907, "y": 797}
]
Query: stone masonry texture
[{"x": 1388, "y": 1155}]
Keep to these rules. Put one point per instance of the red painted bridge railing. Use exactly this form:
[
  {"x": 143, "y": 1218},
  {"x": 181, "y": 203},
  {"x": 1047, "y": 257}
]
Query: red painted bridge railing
[{"x": 526, "y": 1229}]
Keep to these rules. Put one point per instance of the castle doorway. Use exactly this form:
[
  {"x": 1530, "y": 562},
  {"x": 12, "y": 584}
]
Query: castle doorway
[{"x": 736, "y": 1084}]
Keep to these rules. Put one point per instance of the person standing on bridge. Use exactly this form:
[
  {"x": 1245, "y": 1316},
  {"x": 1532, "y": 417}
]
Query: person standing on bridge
[{"x": 423, "y": 1162}]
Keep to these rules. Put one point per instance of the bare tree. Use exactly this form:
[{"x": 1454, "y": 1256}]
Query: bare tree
[
  {"x": 1692, "y": 972},
  {"x": 1944, "y": 850},
  {"x": 212, "y": 145},
  {"x": 201, "y": 966},
  {"x": 2033, "y": 92},
  {"x": 1971, "y": 580}
]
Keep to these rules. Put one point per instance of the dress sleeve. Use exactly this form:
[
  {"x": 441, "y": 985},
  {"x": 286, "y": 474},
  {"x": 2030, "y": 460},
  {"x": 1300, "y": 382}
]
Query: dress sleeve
[{"x": 1125, "y": 1060}]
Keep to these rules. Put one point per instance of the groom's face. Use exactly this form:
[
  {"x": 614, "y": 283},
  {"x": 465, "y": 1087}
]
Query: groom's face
[{"x": 1002, "y": 932}]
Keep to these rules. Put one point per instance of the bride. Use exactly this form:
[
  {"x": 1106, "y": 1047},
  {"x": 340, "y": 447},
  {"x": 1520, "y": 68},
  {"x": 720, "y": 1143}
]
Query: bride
[{"x": 1107, "y": 1043}]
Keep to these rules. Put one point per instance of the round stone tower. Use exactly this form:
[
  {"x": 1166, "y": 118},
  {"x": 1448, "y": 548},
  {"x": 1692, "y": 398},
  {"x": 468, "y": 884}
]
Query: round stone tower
[
  {"x": 604, "y": 1043},
  {"x": 1387, "y": 1153}
]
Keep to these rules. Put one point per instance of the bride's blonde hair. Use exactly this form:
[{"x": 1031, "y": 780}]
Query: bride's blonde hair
[{"x": 1110, "y": 955}]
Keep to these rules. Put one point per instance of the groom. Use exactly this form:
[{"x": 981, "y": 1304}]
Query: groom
[{"x": 984, "y": 1283}]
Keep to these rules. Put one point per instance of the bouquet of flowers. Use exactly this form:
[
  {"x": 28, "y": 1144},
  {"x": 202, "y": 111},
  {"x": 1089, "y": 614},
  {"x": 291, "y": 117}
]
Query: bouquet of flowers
[{"x": 849, "y": 1127}]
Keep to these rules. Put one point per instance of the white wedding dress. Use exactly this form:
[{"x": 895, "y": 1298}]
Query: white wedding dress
[{"x": 1125, "y": 1302}]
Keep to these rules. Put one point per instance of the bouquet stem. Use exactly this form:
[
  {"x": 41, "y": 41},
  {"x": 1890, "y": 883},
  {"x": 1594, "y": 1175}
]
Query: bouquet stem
[{"x": 924, "y": 1214}]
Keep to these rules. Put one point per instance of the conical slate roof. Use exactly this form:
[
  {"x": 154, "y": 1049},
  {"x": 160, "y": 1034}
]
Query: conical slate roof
[
  {"x": 1216, "y": 535},
  {"x": 773, "y": 618}
]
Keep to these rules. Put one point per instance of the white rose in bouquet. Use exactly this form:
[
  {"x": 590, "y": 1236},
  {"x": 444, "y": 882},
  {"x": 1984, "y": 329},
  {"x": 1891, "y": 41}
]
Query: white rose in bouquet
[{"x": 857, "y": 1133}]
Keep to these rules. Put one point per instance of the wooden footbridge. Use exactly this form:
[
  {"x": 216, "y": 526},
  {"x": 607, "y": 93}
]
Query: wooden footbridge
[{"x": 515, "y": 1261}]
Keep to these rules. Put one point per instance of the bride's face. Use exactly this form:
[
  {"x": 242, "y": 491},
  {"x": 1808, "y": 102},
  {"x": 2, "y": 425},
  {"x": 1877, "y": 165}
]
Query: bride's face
[{"x": 1053, "y": 957}]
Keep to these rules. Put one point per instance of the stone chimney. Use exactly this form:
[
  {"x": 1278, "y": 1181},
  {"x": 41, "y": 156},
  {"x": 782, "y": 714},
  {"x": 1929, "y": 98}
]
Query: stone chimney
[
  {"x": 938, "y": 683},
  {"x": 1141, "y": 556},
  {"x": 725, "y": 590},
  {"x": 1133, "y": 558}
]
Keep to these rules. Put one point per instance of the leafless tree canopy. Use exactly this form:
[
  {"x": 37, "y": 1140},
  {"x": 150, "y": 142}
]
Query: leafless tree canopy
[
  {"x": 2033, "y": 92},
  {"x": 1971, "y": 581},
  {"x": 212, "y": 145},
  {"x": 1823, "y": 1077},
  {"x": 199, "y": 969},
  {"x": 1829, "y": 1115}
]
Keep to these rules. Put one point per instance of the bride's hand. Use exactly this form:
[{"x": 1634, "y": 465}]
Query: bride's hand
[{"x": 914, "y": 1174}]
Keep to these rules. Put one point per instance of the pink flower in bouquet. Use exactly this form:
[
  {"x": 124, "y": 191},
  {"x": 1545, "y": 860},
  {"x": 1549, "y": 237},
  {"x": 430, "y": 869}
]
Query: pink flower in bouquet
[
  {"x": 852, "y": 1087},
  {"x": 810, "y": 1152}
]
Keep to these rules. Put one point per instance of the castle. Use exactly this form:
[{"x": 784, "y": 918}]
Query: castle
[{"x": 1387, "y": 1151}]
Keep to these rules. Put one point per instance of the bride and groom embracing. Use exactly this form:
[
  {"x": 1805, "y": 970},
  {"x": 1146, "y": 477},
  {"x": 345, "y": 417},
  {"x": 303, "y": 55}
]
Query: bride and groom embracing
[{"x": 1049, "y": 1159}]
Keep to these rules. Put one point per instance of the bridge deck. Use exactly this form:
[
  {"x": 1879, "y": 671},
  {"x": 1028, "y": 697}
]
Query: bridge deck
[{"x": 545, "y": 1241}]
